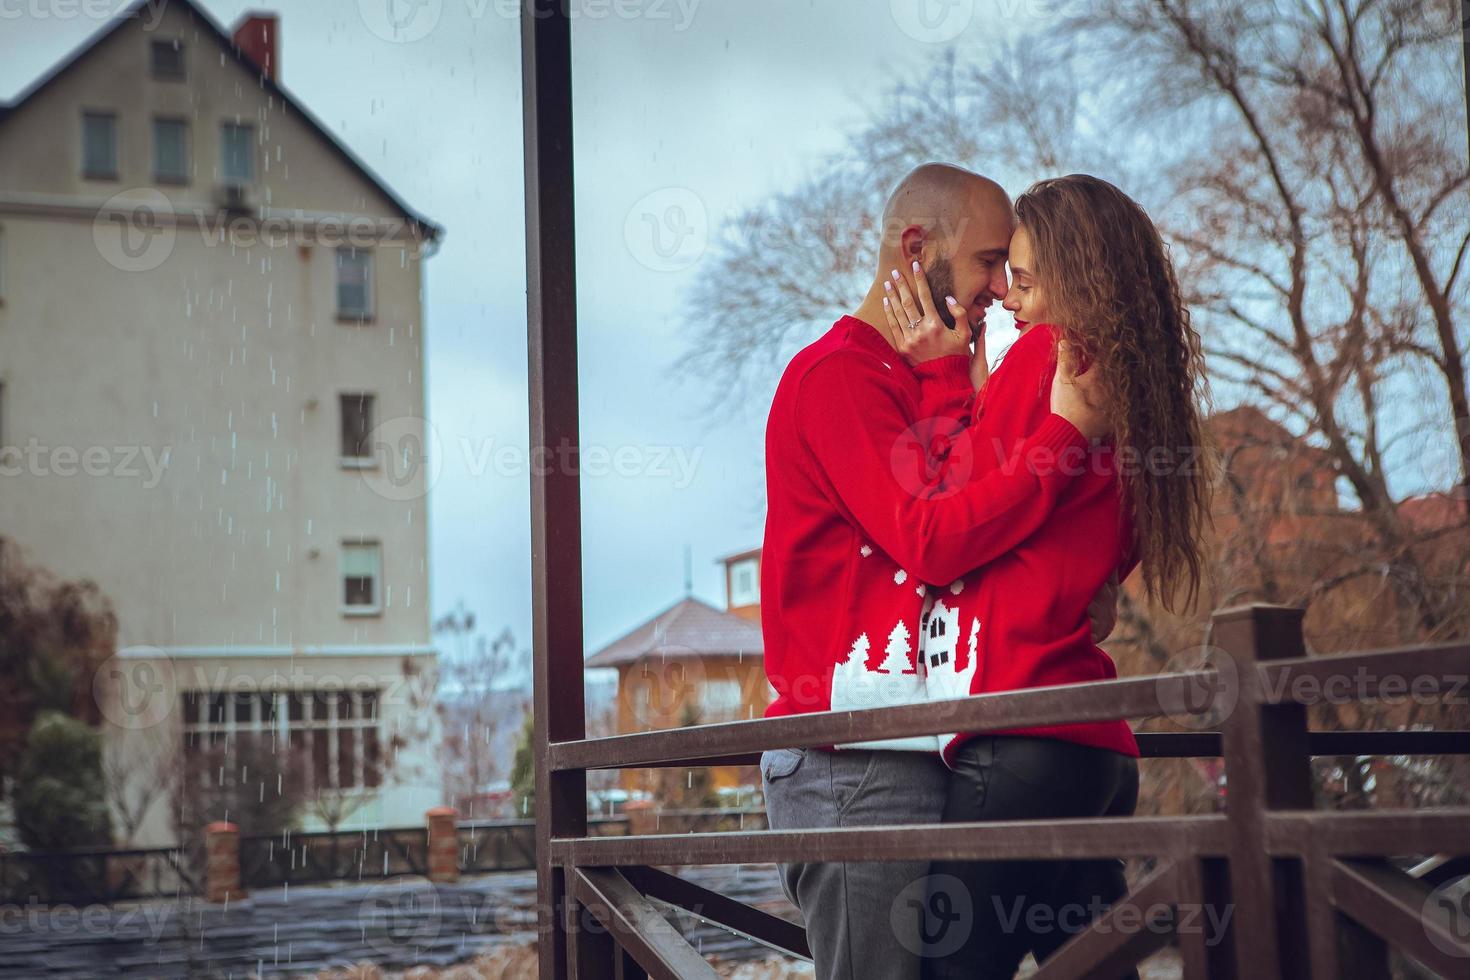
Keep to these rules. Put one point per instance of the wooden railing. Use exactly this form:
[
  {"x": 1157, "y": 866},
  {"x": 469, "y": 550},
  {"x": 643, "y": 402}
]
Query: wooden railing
[{"x": 1301, "y": 892}]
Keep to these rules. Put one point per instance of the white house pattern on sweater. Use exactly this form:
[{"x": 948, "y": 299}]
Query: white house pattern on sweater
[
  {"x": 939, "y": 668},
  {"x": 950, "y": 668}
]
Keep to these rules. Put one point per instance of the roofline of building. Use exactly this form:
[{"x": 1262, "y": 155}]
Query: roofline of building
[
  {"x": 747, "y": 553},
  {"x": 674, "y": 652},
  {"x": 431, "y": 231}
]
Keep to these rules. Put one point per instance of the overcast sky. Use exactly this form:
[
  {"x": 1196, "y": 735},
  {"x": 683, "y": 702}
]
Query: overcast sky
[{"x": 702, "y": 105}]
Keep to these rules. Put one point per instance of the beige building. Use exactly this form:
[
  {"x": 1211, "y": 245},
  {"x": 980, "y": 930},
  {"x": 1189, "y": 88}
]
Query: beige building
[{"x": 212, "y": 400}]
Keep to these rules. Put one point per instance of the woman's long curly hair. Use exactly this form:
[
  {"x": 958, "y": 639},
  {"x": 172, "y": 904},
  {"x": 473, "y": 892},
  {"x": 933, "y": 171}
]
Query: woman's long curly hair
[{"x": 1110, "y": 286}]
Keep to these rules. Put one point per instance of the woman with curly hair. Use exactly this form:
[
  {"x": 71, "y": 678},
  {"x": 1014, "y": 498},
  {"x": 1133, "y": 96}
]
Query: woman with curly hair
[{"x": 1091, "y": 279}]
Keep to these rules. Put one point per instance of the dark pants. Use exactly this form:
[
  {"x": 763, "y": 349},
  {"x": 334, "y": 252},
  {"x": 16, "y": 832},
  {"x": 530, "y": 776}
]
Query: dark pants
[
  {"x": 1016, "y": 907},
  {"x": 859, "y": 915}
]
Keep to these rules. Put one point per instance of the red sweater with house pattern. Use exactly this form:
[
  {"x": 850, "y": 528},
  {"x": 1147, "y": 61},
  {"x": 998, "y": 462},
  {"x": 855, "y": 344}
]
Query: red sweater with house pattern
[
  {"x": 1021, "y": 620},
  {"x": 858, "y": 521}
]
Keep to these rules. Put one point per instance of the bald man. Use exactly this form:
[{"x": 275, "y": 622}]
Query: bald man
[{"x": 850, "y": 541}]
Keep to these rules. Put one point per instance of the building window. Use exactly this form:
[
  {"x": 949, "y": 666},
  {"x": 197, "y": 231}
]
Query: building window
[
  {"x": 99, "y": 145},
  {"x": 336, "y": 732},
  {"x": 237, "y": 153},
  {"x": 362, "y": 572},
  {"x": 354, "y": 284},
  {"x": 168, "y": 60},
  {"x": 357, "y": 427},
  {"x": 171, "y": 151},
  {"x": 720, "y": 698},
  {"x": 745, "y": 583}
]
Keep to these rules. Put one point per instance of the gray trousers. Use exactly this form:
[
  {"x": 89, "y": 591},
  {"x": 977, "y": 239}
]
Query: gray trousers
[{"x": 863, "y": 919}]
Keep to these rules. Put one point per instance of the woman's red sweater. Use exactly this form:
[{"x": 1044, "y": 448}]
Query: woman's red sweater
[{"x": 1021, "y": 621}]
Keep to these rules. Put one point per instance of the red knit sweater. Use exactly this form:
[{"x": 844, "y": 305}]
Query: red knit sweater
[
  {"x": 857, "y": 522},
  {"x": 1021, "y": 621}
]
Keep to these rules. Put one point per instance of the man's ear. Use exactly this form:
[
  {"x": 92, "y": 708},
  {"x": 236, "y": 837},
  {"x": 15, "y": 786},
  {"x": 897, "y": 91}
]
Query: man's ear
[{"x": 911, "y": 244}]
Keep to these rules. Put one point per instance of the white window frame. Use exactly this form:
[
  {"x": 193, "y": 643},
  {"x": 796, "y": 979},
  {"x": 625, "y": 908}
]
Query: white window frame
[
  {"x": 280, "y": 727},
  {"x": 234, "y": 180},
  {"x": 110, "y": 114},
  {"x": 363, "y": 462},
  {"x": 176, "y": 45},
  {"x": 376, "y": 606},
  {"x": 183, "y": 177},
  {"x": 721, "y": 697},
  {"x": 366, "y": 314},
  {"x": 745, "y": 595}
]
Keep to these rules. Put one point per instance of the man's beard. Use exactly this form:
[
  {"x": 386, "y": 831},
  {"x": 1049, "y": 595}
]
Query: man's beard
[{"x": 941, "y": 284}]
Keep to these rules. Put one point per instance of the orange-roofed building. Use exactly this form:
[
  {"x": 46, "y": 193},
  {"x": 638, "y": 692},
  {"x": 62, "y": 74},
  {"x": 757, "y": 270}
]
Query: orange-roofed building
[{"x": 693, "y": 664}]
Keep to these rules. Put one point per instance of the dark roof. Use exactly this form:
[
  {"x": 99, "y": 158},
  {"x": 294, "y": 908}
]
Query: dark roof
[
  {"x": 689, "y": 628},
  {"x": 271, "y": 87}
]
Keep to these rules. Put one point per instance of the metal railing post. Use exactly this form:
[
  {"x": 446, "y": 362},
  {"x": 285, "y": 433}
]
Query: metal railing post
[{"x": 556, "y": 545}]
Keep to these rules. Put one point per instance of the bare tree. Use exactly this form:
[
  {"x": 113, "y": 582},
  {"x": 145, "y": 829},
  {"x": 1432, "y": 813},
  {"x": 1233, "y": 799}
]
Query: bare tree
[
  {"x": 481, "y": 704},
  {"x": 141, "y": 769},
  {"x": 1308, "y": 167},
  {"x": 1321, "y": 228}
]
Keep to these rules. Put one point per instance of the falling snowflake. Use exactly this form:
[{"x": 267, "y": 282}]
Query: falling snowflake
[
  {"x": 957, "y": 586},
  {"x": 900, "y": 576}
]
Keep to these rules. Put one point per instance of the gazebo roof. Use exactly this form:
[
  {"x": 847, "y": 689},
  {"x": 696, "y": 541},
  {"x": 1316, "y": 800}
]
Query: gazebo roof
[{"x": 689, "y": 628}]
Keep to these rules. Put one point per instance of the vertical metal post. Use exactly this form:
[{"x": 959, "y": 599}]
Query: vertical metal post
[
  {"x": 1267, "y": 767},
  {"x": 556, "y": 545}
]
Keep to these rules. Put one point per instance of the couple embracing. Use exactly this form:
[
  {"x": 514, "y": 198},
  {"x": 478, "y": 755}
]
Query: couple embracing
[{"x": 935, "y": 530}]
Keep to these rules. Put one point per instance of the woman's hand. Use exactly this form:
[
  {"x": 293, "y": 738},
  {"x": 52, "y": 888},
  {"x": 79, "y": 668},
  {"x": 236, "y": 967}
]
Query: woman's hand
[
  {"x": 921, "y": 334},
  {"x": 1076, "y": 394}
]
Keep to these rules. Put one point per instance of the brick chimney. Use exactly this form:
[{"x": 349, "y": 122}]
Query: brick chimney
[{"x": 255, "y": 36}]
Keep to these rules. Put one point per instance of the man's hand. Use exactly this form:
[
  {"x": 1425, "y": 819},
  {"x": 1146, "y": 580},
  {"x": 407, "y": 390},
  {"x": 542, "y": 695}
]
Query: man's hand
[
  {"x": 1104, "y": 611},
  {"x": 1077, "y": 397},
  {"x": 921, "y": 334}
]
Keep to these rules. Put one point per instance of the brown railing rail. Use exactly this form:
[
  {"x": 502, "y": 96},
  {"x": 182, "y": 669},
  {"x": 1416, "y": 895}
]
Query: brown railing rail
[{"x": 1310, "y": 893}]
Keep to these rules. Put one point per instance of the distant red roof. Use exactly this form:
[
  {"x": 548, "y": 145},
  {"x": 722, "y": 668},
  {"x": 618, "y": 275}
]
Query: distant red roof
[{"x": 689, "y": 628}]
